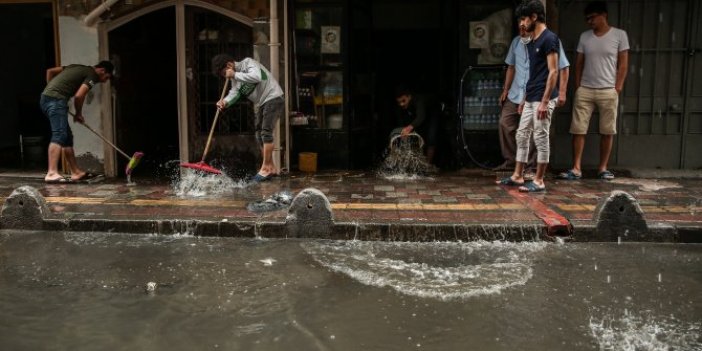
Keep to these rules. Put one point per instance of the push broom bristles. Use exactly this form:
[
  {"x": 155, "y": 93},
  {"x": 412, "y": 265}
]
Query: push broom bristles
[
  {"x": 202, "y": 167},
  {"x": 133, "y": 162}
]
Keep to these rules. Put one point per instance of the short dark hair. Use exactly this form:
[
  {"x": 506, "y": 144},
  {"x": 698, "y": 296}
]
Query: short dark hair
[
  {"x": 595, "y": 7},
  {"x": 401, "y": 90},
  {"x": 531, "y": 7},
  {"x": 220, "y": 62},
  {"x": 107, "y": 65}
]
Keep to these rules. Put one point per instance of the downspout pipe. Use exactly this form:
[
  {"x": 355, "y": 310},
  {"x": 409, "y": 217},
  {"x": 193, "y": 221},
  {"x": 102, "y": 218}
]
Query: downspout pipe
[
  {"x": 274, "y": 49},
  {"x": 94, "y": 15}
]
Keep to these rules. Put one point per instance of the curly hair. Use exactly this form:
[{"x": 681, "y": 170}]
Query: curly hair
[
  {"x": 531, "y": 7},
  {"x": 220, "y": 62}
]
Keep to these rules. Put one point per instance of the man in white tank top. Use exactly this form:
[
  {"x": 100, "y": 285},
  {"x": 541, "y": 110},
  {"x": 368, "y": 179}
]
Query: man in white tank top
[{"x": 600, "y": 71}]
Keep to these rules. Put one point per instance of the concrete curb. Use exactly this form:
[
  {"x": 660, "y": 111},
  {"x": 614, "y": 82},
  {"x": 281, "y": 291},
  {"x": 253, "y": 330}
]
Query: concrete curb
[{"x": 311, "y": 225}]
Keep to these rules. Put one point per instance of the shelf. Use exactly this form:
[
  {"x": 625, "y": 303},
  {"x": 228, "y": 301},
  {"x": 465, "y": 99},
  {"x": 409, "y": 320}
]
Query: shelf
[
  {"x": 328, "y": 100},
  {"x": 479, "y": 126}
]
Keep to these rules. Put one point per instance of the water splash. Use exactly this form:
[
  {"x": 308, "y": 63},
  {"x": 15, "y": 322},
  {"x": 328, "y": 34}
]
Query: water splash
[
  {"x": 444, "y": 271},
  {"x": 644, "y": 332},
  {"x": 269, "y": 261},
  {"x": 198, "y": 184},
  {"x": 405, "y": 161}
]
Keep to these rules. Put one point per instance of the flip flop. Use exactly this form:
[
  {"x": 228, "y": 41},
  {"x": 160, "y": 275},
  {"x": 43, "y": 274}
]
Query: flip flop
[
  {"x": 59, "y": 181},
  {"x": 606, "y": 175},
  {"x": 509, "y": 182},
  {"x": 261, "y": 178},
  {"x": 87, "y": 177},
  {"x": 531, "y": 187},
  {"x": 569, "y": 175}
]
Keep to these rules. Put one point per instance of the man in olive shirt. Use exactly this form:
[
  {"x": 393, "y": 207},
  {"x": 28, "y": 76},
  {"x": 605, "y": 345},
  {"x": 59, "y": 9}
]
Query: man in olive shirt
[{"x": 62, "y": 84}]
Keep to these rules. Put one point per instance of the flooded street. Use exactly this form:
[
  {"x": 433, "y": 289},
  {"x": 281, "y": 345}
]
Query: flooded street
[{"x": 87, "y": 291}]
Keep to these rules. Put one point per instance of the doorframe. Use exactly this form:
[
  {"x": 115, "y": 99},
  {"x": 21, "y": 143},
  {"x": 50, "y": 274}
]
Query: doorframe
[{"x": 106, "y": 98}]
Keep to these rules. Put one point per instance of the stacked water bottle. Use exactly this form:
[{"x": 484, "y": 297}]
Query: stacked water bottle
[{"x": 482, "y": 109}]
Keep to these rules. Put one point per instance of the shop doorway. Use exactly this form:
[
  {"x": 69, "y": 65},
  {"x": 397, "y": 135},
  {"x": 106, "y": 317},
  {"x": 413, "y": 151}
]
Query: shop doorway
[
  {"x": 413, "y": 50},
  {"x": 144, "y": 91},
  {"x": 27, "y": 31}
]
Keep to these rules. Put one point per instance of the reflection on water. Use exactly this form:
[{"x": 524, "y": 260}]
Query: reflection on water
[{"x": 86, "y": 291}]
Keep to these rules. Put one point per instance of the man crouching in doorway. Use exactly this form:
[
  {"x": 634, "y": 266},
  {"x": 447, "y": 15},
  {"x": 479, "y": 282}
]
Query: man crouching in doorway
[
  {"x": 62, "y": 84},
  {"x": 250, "y": 79}
]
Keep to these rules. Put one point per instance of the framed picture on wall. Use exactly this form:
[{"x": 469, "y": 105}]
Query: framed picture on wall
[
  {"x": 479, "y": 36},
  {"x": 331, "y": 39}
]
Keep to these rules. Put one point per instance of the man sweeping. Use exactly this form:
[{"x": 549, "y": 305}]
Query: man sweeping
[
  {"x": 62, "y": 84},
  {"x": 250, "y": 79}
]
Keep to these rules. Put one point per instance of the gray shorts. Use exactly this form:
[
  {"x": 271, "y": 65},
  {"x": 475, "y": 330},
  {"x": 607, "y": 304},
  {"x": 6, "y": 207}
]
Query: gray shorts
[{"x": 267, "y": 116}]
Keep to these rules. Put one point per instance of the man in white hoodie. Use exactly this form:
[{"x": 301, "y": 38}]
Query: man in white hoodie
[{"x": 250, "y": 79}]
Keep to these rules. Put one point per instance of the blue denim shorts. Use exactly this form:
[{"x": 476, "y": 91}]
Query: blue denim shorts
[{"x": 56, "y": 110}]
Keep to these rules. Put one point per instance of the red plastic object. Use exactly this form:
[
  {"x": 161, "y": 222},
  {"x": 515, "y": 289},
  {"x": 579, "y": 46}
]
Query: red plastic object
[{"x": 201, "y": 166}]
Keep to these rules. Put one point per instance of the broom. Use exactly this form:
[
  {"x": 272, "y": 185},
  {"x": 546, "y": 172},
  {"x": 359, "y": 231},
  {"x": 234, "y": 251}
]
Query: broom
[
  {"x": 202, "y": 166},
  {"x": 133, "y": 161}
]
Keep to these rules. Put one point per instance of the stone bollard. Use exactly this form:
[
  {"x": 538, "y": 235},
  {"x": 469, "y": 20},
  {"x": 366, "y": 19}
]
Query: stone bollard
[
  {"x": 25, "y": 208},
  {"x": 310, "y": 215},
  {"x": 619, "y": 217}
]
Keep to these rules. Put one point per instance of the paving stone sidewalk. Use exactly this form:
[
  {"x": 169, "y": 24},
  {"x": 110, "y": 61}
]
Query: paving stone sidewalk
[{"x": 362, "y": 198}]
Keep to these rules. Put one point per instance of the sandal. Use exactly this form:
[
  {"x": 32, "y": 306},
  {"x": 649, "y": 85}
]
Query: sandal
[
  {"x": 509, "y": 182},
  {"x": 569, "y": 175},
  {"x": 61, "y": 180},
  {"x": 606, "y": 175},
  {"x": 531, "y": 187},
  {"x": 87, "y": 178},
  {"x": 258, "y": 178}
]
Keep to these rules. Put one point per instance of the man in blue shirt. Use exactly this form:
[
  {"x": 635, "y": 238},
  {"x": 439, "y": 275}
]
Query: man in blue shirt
[
  {"x": 541, "y": 96},
  {"x": 513, "y": 95}
]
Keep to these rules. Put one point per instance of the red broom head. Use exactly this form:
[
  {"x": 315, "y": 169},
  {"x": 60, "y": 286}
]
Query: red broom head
[{"x": 201, "y": 166}]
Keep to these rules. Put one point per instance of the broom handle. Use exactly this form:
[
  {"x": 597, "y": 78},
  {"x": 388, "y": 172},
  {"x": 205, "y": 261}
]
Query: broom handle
[
  {"x": 214, "y": 123},
  {"x": 103, "y": 138}
]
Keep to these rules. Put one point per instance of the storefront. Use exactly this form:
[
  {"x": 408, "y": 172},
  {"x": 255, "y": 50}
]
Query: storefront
[
  {"x": 339, "y": 62},
  {"x": 348, "y": 57}
]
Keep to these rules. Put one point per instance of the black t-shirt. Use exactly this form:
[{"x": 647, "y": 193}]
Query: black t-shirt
[{"x": 538, "y": 49}]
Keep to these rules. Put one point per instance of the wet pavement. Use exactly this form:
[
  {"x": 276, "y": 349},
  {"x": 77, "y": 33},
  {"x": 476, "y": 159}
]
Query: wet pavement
[{"x": 461, "y": 198}]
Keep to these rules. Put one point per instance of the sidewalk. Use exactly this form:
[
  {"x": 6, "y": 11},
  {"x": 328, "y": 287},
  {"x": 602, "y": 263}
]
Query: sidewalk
[{"x": 449, "y": 206}]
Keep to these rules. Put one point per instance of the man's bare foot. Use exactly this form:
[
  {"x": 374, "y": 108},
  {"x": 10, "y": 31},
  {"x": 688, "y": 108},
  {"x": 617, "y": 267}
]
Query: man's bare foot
[
  {"x": 52, "y": 177},
  {"x": 78, "y": 176}
]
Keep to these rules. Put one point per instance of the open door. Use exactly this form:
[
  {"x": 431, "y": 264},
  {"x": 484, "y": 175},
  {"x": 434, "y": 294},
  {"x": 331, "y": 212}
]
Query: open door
[
  {"x": 145, "y": 98},
  {"x": 27, "y": 32}
]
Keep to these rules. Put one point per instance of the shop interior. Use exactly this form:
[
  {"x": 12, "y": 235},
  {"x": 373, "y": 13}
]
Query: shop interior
[{"x": 349, "y": 57}]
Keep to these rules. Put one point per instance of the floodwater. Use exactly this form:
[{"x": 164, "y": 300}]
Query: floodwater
[{"x": 87, "y": 291}]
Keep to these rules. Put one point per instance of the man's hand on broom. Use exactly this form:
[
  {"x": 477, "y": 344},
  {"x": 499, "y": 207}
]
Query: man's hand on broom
[{"x": 78, "y": 117}]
